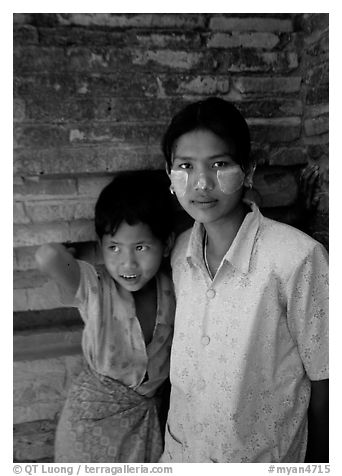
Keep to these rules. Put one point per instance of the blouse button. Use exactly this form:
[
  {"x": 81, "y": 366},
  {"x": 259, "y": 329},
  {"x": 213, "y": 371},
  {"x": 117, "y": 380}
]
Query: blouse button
[
  {"x": 211, "y": 293},
  {"x": 205, "y": 340}
]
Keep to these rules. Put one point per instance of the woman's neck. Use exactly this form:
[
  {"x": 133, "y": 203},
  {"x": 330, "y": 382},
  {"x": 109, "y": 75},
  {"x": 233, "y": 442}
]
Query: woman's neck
[{"x": 220, "y": 236}]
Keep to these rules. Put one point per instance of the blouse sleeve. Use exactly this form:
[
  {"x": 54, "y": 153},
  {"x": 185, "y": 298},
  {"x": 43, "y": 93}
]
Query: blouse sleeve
[
  {"x": 307, "y": 312},
  {"x": 87, "y": 292}
]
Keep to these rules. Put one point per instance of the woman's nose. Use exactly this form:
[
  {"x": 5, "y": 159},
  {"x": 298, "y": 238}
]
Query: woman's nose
[{"x": 203, "y": 182}]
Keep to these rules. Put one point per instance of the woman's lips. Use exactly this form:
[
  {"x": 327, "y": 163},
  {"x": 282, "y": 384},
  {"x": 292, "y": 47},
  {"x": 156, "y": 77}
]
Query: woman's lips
[{"x": 204, "y": 202}]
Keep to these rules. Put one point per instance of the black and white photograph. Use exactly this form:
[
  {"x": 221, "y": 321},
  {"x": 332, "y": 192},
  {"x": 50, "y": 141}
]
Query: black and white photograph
[{"x": 171, "y": 239}]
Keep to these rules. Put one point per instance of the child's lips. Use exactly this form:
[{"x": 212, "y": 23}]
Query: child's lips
[{"x": 129, "y": 277}]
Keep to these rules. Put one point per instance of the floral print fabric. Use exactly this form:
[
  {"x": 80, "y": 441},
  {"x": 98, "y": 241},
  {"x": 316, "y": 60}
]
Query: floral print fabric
[
  {"x": 104, "y": 421},
  {"x": 246, "y": 345}
]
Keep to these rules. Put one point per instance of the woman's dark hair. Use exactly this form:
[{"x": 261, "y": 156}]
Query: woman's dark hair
[
  {"x": 213, "y": 114},
  {"x": 136, "y": 197}
]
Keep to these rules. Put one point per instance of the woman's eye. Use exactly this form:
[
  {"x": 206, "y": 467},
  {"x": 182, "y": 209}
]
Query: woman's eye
[
  {"x": 184, "y": 165},
  {"x": 221, "y": 164}
]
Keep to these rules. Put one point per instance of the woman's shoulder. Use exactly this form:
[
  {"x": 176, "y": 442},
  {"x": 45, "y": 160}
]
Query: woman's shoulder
[
  {"x": 181, "y": 242},
  {"x": 287, "y": 241}
]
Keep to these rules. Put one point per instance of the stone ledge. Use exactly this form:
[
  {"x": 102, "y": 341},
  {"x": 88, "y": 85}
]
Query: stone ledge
[{"x": 43, "y": 344}]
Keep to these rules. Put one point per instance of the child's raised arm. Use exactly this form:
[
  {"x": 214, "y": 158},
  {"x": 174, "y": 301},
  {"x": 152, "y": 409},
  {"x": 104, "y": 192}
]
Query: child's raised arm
[{"x": 54, "y": 260}]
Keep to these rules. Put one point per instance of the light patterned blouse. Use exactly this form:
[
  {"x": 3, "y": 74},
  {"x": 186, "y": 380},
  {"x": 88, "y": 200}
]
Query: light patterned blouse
[
  {"x": 246, "y": 345},
  {"x": 113, "y": 343}
]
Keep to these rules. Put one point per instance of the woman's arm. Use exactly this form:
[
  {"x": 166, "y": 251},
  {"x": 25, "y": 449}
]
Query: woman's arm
[
  {"x": 55, "y": 261},
  {"x": 318, "y": 422}
]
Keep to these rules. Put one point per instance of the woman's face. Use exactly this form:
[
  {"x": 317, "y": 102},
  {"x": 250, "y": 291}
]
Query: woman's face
[{"x": 205, "y": 177}]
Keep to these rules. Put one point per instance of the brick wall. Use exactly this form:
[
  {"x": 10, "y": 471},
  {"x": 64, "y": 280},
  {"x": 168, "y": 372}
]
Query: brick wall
[{"x": 92, "y": 96}]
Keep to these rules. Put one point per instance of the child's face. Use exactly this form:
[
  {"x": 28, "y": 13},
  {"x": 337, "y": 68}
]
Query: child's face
[
  {"x": 132, "y": 255},
  {"x": 206, "y": 179}
]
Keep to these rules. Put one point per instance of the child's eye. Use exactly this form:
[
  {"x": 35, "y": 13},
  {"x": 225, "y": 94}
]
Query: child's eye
[
  {"x": 114, "y": 248},
  {"x": 141, "y": 248}
]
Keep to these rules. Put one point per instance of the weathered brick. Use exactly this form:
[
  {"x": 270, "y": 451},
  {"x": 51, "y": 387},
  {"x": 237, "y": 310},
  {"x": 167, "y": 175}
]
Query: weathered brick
[
  {"x": 35, "y": 59},
  {"x": 45, "y": 344},
  {"x": 20, "y": 300},
  {"x": 267, "y": 24},
  {"x": 64, "y": 135},
  {"x": 167, "y": 40},
  {"x": 49, "y": 211},
  {"x": 310, "y": 22},
  {"x": 267, "y": 86},
  {"x": 209, "y": 85},
  {"x": 19, "y": 110},
  {"x": 32, "y": 187},
  {"x": 46, "y": 318},
  {"x": 22, "y": 18},
  {"x": 250, "y": 60},
  {"x": 169, "y": 58},
  {"x": 318, "y": 151},
  {"x": 92, "y": 186},
  {"x": 270, "y": 107},
  {"x": 316, "y": 110},
  {"x": 63, "y": 85},
  {"x": 317, "y": 81},
  {"x": 316, "y": 125},
  {"x": 25, "y": 35},
  {"x": 54, "y": 109},
  {"x": 322, "y": 139},
  {"x": 133, "y": 110},
  {"x": 317, "y": 46},
  {"x": 82, "y": 230},
  {"x": 244, "y": 40},
  {"x": 37, "y": 234},
  {"x": 40, "y": 387},
  {"x": 141, "y": 20},
  {"x": 28, "y": 279},
  {"x": 288, "y": 156},
  {"x": 24, "y": 258},
  {"x": 73, "y": 58},
  {"x": 45, "y": 296},
  {"x": 277, "y": 187},
  {"x": 19, "y": 213},
  {"x": 40, "y": 135},
  {"x": 275, "y": 130},
  {"x": 87, "y": 160},
  {"x": 65, "y": 36}
]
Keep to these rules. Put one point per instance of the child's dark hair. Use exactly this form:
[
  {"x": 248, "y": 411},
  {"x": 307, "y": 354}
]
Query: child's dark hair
[
  {"x": 135, "y": 197},
  {"x": 216, "y": 115}
]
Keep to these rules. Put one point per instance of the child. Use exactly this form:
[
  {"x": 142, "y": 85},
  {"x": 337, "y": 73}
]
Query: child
[
  {"x": 128, "y": 309},
  {"x": 249, "y": 359}
]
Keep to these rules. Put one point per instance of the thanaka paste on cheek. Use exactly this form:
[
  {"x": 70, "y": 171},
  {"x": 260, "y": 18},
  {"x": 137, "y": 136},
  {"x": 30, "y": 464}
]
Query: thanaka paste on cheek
[
  {"x": 230, "y": 180},
  {"x": 179, "y": 180}
]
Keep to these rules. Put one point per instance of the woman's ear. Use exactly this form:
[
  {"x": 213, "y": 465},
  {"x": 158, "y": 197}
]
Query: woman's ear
[{"x": 169, "y": 245}]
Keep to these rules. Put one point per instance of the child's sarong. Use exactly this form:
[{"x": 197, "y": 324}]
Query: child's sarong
[{"x": 103, "y": 421}]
